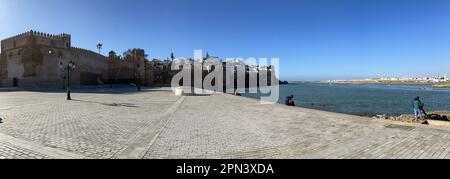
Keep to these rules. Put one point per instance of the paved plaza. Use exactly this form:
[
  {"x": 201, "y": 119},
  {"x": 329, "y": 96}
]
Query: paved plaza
[{"x": 156, "y": 124}]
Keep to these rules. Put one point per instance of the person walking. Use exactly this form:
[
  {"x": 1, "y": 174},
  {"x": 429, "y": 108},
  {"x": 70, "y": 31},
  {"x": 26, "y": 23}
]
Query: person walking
[
  {"x": 416, "y": 107},
  {"x": 421, "y": 107}
]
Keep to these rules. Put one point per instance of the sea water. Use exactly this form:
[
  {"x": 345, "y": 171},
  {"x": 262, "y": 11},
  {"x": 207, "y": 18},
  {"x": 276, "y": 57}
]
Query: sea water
[{"x": 364, "y": 99}]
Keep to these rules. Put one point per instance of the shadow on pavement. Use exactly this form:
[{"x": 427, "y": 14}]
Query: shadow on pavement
[
  {"x": 197, "y": 94},
  {"x": 129, "y": 105}
]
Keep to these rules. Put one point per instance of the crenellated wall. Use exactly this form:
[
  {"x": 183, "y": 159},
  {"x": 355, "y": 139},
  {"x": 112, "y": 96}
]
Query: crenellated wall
[
  {"x": 130, "y": 69},
  {"x": 37, "y": 59},
  {"x": 36, "y": 38},
  {"x": 62, "y": 36},
  {"x": 91, "y": 68}
]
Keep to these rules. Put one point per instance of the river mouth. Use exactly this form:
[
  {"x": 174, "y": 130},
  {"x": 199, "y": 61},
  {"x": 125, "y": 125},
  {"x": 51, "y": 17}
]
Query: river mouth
[{"x": 363, "y": 99}]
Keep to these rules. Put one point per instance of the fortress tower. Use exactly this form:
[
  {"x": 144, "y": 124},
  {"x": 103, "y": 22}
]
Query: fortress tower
[
  {"x": 32, "y": 58},
  {"x": 36, "y": 59},
  {"x": 130, "y": 68}
]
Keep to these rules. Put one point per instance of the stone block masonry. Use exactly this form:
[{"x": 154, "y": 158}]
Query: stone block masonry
[{"x": 35, "y": 60}]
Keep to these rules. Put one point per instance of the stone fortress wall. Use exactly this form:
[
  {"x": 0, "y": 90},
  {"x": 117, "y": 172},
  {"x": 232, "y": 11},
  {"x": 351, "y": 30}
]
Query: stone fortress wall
[
  {"x": 36, "y": 59},
  {"x": 131, "y": 68},
  {"x": 31, "y": 58}
]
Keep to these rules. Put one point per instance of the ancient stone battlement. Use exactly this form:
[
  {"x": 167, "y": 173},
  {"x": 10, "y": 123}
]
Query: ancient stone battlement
[
  {"x": 62, "y": 36},
  {"x": 36, "y": 38},
  {"x": 82, "y": 51},
  {"x": 35, "y": 59}
]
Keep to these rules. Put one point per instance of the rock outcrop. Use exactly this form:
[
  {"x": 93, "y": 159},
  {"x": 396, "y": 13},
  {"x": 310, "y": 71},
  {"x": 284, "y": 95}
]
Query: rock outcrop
[{"x": 437, "y": 115}]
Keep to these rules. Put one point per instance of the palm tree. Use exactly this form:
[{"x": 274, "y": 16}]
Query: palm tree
[{"x": 99, "y": 47}]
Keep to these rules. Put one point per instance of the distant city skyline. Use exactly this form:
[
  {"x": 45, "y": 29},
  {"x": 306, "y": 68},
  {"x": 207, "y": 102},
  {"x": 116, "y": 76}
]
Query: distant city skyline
[
  {"x": 373, "y": 78},
  {"x": 315, "y": 40}
]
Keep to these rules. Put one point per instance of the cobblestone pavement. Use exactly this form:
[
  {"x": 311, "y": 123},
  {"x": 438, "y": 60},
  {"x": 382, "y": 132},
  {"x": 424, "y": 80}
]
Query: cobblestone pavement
[
  {"x": 157, "y": 124},
  {"x": 93, "y": 125},
  {"x": 10, "y": 151}
]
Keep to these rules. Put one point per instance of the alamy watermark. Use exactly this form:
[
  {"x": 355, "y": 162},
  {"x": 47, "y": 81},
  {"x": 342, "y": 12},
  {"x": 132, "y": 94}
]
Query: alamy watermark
[{"x": 235, "y": 75}]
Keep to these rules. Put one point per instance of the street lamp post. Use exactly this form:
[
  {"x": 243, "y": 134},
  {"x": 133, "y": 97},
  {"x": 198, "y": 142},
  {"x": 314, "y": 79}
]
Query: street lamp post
[
  {"x": 137, "y": 75},
  {"x": 70, "y": 66},
  {"x": 137, "y": 78}
]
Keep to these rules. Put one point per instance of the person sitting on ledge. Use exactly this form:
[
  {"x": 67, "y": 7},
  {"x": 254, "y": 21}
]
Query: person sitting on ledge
[
  {"x": 290, "y": 100},
  {"x": 1, "y": 120}
]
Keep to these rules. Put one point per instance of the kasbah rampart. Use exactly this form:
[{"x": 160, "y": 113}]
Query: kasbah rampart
[{"x": 35, "y": 59}]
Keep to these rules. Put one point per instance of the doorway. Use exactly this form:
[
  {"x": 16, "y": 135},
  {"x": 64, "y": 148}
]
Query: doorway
[{"x": 15, "y": 82}]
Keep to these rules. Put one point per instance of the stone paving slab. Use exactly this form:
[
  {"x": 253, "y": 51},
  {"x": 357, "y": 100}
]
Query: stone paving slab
[{"x": 157, "y": 124}]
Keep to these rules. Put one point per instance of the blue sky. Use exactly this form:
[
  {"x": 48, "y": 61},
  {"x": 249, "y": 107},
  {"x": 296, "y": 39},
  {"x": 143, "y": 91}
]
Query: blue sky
[{"x": 314, "y": 39}]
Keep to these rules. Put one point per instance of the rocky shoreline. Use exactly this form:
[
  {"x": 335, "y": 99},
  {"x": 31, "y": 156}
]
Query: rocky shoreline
[{"x": 409, "y": 118}]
